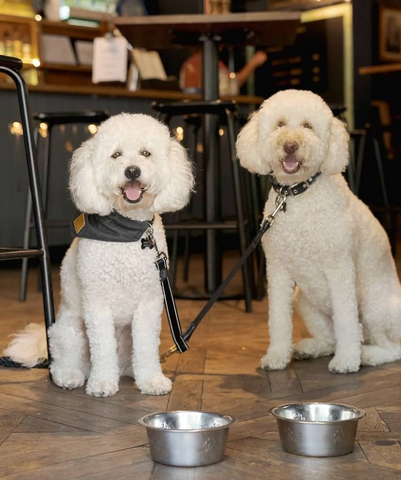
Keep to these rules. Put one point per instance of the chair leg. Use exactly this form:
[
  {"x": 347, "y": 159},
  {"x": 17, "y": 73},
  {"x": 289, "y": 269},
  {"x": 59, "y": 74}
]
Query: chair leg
[
  {"x": 240, "y": 212},
  {"x": 390, "y": 216},
  {"x": 359, "y": 163},
  {"x": 27, "y": 235},
  {"x": 45, "y": 175},
  {"x": 26, "y": 242},
  {"x": 380, "y": 169},
  {"x": 246, "y": 187},
  {"x": 193, "y": 136},
  {"x": 38, "y": 212},
  {"x": 263, "y": 192},
  {"x": 173, "y": 258},
  {"x": 350, "y": 173}
]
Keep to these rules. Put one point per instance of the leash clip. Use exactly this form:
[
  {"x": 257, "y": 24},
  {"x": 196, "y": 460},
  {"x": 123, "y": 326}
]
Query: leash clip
[
  {"x": 150, "y": 242},
  {"x": 281, "y": 202}
]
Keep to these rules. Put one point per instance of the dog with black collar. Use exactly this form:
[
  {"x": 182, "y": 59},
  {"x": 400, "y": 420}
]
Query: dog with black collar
[{"x": 325, "y": 242}]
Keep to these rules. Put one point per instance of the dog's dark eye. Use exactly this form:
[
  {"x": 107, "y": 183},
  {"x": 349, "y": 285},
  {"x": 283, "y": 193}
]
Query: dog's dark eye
[
  {"x": 116, "y": 154},
  {"x": 307, "y": 125},
  {"x": 281, "y": 124},
  {"x": 145, "y": 153}
]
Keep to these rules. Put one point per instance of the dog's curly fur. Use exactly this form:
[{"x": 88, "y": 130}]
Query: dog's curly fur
[
  {"x": 109, "y": 320},
  {"x": 327, "y": 242}
]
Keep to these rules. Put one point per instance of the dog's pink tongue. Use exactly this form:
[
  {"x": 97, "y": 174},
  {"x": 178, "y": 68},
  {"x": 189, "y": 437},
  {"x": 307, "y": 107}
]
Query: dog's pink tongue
[
  {"x": 291, "y": 164},
  {"x": 132, "y": 191}
]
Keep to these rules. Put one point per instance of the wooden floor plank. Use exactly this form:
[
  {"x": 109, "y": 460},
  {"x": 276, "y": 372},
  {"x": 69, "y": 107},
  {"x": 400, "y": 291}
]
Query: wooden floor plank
[
  {"x": 9, "y": 422},
  {"x": 386, "y": 453},
  {"x": 186, "y": 395},
  {"x": 84, "y": 404},
  {"x": 21, "y": 452},
  {"x": 372, "y": 422},
  {"x": 133, "y": 463}
]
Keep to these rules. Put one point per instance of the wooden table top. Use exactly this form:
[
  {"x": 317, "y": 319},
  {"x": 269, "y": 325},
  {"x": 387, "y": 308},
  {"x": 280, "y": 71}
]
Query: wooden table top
[{"x": 261, "y": 29}]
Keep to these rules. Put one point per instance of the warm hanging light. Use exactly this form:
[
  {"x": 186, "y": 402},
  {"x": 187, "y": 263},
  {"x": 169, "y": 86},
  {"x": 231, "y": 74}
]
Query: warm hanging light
[
  {"x": 92, "y": 128},
  {"x": 43, "y": 129},
  {"x": 179, "y": 133},
  {"x": 16, "y": 128}
]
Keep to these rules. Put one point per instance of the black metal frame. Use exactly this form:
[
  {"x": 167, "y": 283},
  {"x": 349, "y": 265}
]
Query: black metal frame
[
  {"x": 226, "y": 111},
  {"x": 11, "y": 67},
  {"x": 51, "y": 119}
]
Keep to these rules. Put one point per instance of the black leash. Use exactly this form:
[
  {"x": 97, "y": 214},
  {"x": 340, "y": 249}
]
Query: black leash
[
  {"x": 169, "y": 301},
  {"x": 283, "y": 191},
  {"x": 267, "y": 223}
]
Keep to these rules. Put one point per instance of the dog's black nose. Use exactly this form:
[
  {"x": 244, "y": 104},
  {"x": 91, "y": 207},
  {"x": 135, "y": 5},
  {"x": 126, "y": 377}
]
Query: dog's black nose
[
  {"x": 132, "y": 172},
  {"x": 290, "y": 147}
]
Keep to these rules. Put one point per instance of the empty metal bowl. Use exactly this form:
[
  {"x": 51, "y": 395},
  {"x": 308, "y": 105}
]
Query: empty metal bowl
[
  {"x": 317, "y": 429},
  {"x": 187, "y": 439}
]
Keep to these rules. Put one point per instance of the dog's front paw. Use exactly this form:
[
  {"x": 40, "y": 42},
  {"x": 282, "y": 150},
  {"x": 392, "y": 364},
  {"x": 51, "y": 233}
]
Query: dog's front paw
[
  {"x": 101, "y": 387},
  {"x": 312, "y": 348},
  {"x": 342, "y": 364},
  {"x": 67, "y": 378},
  {"x": 156, "y": 385},
  {"x": 274, "y": 360}
]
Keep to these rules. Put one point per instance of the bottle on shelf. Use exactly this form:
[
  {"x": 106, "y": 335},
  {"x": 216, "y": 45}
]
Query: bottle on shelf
[
  {"x": 17, "y": 43},
  {"x": 26, "y": 49},
  {"x": 9, "y": 46},
  {"x": 2, "y": 46}
]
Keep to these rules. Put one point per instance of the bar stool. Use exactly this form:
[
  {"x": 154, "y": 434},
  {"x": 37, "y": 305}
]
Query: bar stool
[
  {"x": 51, "y": 119},
  {"x": 11, "y": 67},
  {"x": 371, "y": 142},
  {"x": 226, "y": 111}
]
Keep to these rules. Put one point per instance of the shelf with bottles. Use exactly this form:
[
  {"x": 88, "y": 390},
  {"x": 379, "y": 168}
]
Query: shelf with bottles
[{"x": 19, "y": 38}]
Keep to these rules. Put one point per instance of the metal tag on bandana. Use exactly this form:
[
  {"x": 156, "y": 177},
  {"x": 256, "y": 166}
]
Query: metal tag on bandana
[{"x": 79, "y": 223}]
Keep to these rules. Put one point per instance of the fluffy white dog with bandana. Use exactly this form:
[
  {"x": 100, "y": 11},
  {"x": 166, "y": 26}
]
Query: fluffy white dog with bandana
[
  {"x": 326, "y": 242},
  {"x": 109, "y": 320}
]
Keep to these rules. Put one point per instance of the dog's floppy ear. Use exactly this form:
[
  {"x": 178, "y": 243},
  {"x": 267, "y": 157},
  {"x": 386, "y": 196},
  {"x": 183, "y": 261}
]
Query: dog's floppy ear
[
  {"x": 178, "y": 180},
  {"x": 338, "y": 153},
  {"x": 247, "y": 147},
  {"x": 83, "y": 184}
]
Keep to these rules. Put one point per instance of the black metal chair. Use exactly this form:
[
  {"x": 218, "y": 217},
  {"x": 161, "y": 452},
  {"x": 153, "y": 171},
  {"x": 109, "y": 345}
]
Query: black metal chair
[
  {"x": 371, "y": 153},
  {"x": 51, "y": 119},
  {"x": 11, "y": 67},
  {"x": 226, "y": 111}
]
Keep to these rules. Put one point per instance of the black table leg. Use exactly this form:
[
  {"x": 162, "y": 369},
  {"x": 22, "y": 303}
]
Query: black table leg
[{"x": 213, "y": 259}]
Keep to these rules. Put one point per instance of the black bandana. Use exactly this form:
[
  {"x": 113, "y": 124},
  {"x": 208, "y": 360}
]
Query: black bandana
[{"x": 110, "y": 228}]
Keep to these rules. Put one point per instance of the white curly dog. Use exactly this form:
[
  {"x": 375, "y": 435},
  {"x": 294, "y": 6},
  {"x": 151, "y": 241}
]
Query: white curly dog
[
  {"x": 327, "y": 242},
  {"x": 109, "y": 320}
]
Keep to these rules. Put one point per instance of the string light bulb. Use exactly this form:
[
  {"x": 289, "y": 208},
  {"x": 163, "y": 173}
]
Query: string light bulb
[
  {"x": 16, "y": 128},
  {"x": 92, "y": 128}
]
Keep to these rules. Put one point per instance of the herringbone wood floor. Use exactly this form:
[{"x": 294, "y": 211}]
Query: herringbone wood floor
[{"x": 49, "y": 433}]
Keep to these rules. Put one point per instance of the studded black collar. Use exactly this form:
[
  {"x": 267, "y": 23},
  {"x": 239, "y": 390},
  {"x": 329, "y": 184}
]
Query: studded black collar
[{"x": 296, "y": 188}]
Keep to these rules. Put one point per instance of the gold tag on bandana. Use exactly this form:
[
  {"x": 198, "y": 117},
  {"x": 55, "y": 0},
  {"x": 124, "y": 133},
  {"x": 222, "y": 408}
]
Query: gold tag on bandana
[{"x": 79, "y": 223}]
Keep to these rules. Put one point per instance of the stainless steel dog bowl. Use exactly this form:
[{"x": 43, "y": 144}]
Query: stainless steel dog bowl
[
  {"x": 187, "y": 439},
  {"x": 317, "y": 429}
]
